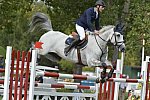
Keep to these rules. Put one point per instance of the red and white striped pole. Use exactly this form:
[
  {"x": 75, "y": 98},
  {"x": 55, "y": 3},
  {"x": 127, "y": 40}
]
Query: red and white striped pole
[
  {"x": 70, "y": 76},
  {"x": 126, "y": 80},
  {"x": 65, "y": 86}
]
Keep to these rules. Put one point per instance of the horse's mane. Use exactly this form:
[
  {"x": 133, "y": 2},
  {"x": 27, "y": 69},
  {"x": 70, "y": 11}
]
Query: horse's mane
[{"x": 105, "y": 28}]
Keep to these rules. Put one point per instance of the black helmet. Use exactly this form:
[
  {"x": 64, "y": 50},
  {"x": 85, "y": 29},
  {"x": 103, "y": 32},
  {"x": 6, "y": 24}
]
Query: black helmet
[{"x": 100, "y": 2}]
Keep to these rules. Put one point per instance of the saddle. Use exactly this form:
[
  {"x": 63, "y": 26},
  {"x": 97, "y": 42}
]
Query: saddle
[{"x": 82, "y": 44}]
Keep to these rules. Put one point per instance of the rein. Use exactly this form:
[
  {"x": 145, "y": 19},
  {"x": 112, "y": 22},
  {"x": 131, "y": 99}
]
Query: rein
[
  {"x": 99, "y": 45},
  {"x": 116, "y": 43}
]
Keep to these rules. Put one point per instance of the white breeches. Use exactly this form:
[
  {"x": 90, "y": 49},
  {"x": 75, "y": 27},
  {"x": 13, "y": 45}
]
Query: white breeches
[{"x": 80, "y": 31}]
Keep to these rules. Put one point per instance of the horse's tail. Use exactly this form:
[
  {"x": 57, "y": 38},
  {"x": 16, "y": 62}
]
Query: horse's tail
[{"x": 40, "y": 22}]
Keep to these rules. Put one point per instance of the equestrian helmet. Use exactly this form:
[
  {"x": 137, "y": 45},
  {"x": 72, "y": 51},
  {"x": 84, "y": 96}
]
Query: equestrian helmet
[{"x": 100, "y": 2}]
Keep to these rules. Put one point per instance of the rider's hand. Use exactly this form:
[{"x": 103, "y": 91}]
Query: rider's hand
[{"x": 96, "y": 32}]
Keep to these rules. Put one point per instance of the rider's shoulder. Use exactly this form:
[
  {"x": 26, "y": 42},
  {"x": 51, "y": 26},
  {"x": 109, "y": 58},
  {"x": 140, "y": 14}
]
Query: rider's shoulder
[{"x": 91, "y": 9}]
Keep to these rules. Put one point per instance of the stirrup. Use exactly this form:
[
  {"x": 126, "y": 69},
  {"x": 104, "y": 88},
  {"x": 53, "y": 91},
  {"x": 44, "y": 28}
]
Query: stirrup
[
  {"x": 66, "y": 50},
  {"x": 66, "y": 53}
]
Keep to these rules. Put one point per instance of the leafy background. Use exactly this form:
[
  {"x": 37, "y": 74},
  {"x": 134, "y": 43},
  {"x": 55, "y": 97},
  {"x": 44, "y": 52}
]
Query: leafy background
[{"x": 15, "y": 16}]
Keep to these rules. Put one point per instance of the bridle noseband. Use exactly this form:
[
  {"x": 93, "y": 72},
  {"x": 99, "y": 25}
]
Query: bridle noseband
[{"x": 116, "y": 42}]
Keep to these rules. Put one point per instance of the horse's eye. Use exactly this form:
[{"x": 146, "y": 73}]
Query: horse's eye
[{"x": 118, "y": 35}]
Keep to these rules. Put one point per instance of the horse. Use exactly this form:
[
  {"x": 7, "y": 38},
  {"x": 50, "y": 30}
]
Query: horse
[{"x": 95, "y": 52}]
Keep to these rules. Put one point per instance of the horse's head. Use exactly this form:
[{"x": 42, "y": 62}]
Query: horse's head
[{"x": 117, "y": 37}]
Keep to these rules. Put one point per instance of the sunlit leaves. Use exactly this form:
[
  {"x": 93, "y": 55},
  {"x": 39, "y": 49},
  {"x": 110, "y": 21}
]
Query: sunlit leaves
[
  {"x": 15, "y": 16},
  {"x": 138, "y": 29}
]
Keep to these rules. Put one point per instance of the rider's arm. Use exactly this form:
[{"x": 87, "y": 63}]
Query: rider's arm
[
  {"x": 89, "y": 23},
  {"x": 92, "y": 33},
  {"x": 97, "y": 25}
]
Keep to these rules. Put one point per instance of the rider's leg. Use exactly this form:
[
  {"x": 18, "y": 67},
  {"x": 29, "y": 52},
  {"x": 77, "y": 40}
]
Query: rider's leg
[
  {"x": 74, "y": 43},
  {"x": 81, "y": 32}
]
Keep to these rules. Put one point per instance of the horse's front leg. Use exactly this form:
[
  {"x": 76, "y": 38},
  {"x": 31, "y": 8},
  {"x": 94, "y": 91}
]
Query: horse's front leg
[
  {"x": 97, "y": 63},
  {"x": 108, "y": 63},
  {"x": 104, "y": 64}
]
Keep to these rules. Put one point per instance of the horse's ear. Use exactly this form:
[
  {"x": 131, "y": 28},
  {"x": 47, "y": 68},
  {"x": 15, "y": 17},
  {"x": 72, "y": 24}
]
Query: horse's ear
[
  {"x": 122, "y": 28},
  {"x": 116, "y": 27},
  {"x": 119, "y": 28}
]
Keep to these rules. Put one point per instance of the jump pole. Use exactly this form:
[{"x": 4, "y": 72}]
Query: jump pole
[
  {"x": 144, "y": 79},
  {"x": 145, "y": 76},
  {"x": 97, "y": 86},
  {"x": 143, "y": 50},
  {"x": 32, "y": 76},
  {"x": 7, "y": 72},
  {"x": 116, "y": 91},
  {"x": 119, "y": 67},
  {"x": 65, "y": 86},
  {"x": 69, "y": 76}
]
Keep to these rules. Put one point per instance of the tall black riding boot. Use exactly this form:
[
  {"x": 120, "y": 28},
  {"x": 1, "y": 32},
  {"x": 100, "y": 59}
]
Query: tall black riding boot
[{"x": 74, "y": 43}]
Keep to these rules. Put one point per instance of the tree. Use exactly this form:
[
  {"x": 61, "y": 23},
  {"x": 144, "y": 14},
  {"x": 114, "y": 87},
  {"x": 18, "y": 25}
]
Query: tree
[
  {"x": 138, "y": 24},
  {"x": 15, "y": 18}
]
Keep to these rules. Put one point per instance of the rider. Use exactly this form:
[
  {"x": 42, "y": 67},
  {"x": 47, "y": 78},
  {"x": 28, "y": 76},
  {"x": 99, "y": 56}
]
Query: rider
[{"x": 85, "y": 22}]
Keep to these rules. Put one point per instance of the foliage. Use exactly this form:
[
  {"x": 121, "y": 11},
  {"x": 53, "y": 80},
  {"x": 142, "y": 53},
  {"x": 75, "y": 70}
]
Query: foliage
[
  {"x": 14, "y": 23},
  {"x": 2, "y": 51},
  {"x": 138, "y": 29},
  {"x": 90, "y": 69},
  {"x": 66, "y": 66},
  {"x": 64, "y": 13},
  {"x": 16, "y": 15}
]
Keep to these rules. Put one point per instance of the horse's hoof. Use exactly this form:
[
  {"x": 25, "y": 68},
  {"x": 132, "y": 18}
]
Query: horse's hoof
[
  {"x": 97, "y": 80},
  {"x": 66, "y": 53}
]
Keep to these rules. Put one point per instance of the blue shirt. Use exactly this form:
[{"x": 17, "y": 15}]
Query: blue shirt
[{"x": 87, "y": 18}]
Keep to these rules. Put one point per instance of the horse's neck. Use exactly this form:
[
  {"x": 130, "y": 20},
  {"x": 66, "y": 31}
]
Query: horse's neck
[{"x": 106, "y": 35}]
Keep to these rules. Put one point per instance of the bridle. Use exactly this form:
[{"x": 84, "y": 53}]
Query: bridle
[{"x": 115, "y": 44}]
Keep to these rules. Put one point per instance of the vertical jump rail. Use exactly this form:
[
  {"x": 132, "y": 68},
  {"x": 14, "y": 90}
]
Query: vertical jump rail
[
  {"x": 7, "y": 72},
  {"x": 14, "y": 76},
  {"x": 147, "y": 82},
  {"x": 33, "y": 72},
  {"x": 17, "y": 75},
  {"x": 21, "y": 75},
  {"x": 27, "y": 75},
  {"x": 147, "y": 77},
  {"x": 11, "y": 74}
]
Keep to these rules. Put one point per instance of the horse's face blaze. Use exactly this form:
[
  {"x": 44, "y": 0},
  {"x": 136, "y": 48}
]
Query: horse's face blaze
[{"x": 117, "y": 40}]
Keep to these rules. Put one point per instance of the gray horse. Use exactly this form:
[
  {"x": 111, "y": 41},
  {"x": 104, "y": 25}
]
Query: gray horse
[{"x": 95, "y": 52}]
